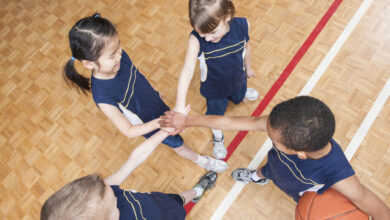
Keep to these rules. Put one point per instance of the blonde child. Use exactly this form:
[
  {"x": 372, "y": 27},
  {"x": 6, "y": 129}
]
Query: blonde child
[
  {"x": 122, "y": 93},
  {"x": 220, "y": 42},
  {"x": 92, "y": 198}
]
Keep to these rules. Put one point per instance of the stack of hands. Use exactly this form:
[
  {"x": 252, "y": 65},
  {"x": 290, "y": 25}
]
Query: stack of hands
[{"x": 174, "y": 122}]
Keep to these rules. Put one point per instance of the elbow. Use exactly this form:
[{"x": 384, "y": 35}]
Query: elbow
[
  {"x": 187, "y": 72},
  {"x": 130, "y": 133}
]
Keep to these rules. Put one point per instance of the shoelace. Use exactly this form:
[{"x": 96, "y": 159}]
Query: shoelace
[
  {"x": 244, "y": 175},
  {"x": 212, "y": 164}
]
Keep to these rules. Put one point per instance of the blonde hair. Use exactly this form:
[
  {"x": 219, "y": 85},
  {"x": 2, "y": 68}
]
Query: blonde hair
[
  {"x": 205, "y": 15},
  {"x": 75, "y": 200}
]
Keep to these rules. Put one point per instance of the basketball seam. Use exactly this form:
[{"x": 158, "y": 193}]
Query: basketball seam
[
  {"x": 311, "y": 205},
  {"x": 299, "y": 215},
  {"x": 345, "y": 213}
]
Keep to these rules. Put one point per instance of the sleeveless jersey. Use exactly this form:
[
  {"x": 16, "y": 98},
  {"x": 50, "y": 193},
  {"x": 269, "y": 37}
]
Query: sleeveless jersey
[
  {"x": 295, "y": 176},
  {"x": 222, "y": 63}
]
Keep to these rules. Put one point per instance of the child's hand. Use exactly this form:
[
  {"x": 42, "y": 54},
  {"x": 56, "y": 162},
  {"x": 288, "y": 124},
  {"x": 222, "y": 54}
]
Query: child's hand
[
  {"x": 176, "y": 120},
  {"x": 169, "y": 130},
  {"x": 250, "y": 73}
]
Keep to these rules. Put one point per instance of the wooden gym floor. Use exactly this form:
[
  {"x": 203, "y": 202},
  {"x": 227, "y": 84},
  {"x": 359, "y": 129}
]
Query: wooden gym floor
[{"x": 50, "y": 134}]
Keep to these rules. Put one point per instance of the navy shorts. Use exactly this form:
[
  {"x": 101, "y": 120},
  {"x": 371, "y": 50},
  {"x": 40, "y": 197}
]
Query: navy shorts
[
  {"x": 177, "y": 197},
  {"x": 171, "y": 141},
  {"x": 265, "y": 171},
  {"x": 218, "y": 106}
]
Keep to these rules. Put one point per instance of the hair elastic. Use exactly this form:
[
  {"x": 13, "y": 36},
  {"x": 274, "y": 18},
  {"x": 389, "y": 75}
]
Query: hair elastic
[
  {"x": 96, "y": 16},
  {"x": 72, "y": 58}
]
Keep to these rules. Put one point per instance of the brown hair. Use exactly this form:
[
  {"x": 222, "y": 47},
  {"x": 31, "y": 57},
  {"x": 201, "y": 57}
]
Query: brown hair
[
  {"x": 75, "y": 200},
  {"x": 205, "y": 15}
]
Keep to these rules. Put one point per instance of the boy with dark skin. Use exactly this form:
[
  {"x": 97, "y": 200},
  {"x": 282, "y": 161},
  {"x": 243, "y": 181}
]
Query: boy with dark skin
[{"x": 304, "y": 157}]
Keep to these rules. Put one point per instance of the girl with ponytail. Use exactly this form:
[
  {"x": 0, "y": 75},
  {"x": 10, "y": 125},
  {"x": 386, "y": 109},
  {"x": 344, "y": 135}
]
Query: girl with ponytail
[{"x": 122, "y": 93}]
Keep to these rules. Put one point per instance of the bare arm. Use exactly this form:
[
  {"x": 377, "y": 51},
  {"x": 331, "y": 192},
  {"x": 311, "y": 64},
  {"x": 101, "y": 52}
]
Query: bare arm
[
  {"x": 116, "y": 116},
  {"x": 362, "y": 197},
  {"x": 180, "y": 121},
  {"x": 187, "y": 73},
  {"x": 247, "y": 60},
  {"x": 137, "y": 157}
]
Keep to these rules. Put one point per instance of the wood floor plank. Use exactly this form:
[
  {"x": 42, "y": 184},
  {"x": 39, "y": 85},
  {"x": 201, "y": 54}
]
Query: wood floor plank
[{"x": 51, "y": 134}]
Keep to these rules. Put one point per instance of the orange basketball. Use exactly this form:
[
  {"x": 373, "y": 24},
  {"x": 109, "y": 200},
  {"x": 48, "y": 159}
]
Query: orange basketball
[{"x": 330, "y": 205}]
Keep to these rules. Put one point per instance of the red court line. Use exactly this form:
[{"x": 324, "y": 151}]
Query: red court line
[{"x": 280, "y": 81}]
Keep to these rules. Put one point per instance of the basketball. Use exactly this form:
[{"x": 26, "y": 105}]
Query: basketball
[{"x": 330, "y": 205}]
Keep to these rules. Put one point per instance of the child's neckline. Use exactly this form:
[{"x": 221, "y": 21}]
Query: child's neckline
[
  {"x": 103, "y": 77},
  {"x": 326, "y": 152}
]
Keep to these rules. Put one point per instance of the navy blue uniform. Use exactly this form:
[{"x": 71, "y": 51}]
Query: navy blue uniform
[
  {"x": 131, "y": 92},
  {"x": 151, "y": 206},
  {"x": 295, "y": 176},
  {"x": 223, "y": 74}
]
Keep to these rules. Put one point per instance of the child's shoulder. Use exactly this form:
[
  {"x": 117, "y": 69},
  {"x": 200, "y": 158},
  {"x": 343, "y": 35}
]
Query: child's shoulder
[
  {"x": 240, "y": 21},
  {"x": 117, "y": 190},
  {"x": 240, "y": 25},
  {"x": 125, "y": 55},
  {"x": 336, "y": 157},
  {"x": 335, "y": 149}
]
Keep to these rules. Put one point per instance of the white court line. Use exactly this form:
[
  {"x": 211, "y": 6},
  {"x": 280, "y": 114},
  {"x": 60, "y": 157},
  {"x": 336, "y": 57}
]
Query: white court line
[
  {"x": 336, "y": 48},
  {"x": 262, "y": 153},
  {"x": 368, "y": 120}
]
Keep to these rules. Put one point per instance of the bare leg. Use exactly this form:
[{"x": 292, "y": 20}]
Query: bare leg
[
  {"x": 259, "y": 174},
  {"x": 188, "y": 196},
  {"x": 207, "y": 181},
  {"x": 202, "y": 161},
  {"x": 186, "y": 152}
]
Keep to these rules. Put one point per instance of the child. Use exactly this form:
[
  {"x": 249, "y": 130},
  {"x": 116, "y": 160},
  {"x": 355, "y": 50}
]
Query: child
[
  {"x": 91, "y": 197},
  {"x": 304, "y": 157},
  {"x": 220, "y": 41},
  {"x": 118, "y": 88}
]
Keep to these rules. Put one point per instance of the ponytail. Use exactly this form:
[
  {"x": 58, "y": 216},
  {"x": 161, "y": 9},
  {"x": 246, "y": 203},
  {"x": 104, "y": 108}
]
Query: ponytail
[
  {"x": 72, "y": 77},
  {"x": 87, "y": 39}
]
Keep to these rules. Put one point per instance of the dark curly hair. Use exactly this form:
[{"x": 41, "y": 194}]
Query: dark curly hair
[{"x": 305, "y": 123}]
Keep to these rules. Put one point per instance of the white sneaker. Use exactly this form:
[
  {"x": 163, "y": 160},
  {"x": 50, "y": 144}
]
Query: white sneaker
[
  {"x": 215, "y": 165},
  {"x": 219, "y": 150},
  {"x": 251, "y": 94},
  {"x": 243, "y": 175}
]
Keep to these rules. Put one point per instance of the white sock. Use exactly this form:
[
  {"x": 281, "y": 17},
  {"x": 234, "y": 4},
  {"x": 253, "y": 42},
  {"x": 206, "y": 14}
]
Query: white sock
[
  {"x": 218, "y": 135},
  {"x": 255, "y": 177},
  {"x": 202, "y": 160},
  {"x": 199, "y": 191}
]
